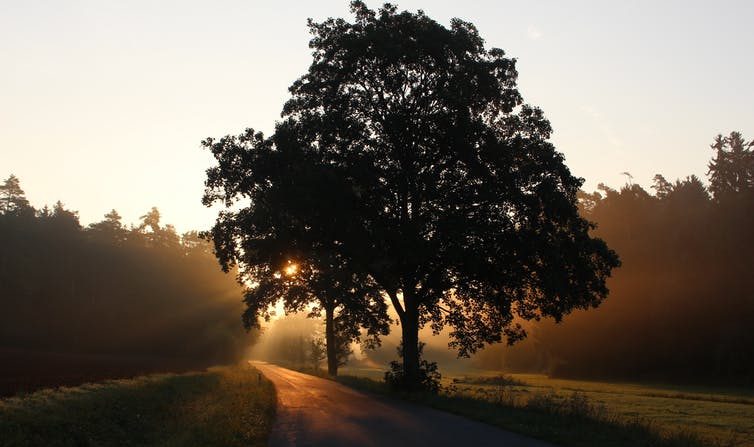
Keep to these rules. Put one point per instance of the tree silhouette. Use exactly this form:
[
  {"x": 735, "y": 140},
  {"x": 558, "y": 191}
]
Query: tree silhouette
[
  {"x": 662, "y": 187},
  {"x": 151, "y": 220},
  {"x": 681, "y": 306},
  {"x": 347, "y": 303},
  {"x": 731, "y": 170},
  {"x": 157, "y": 236},
  {"x": 317, "y": 352},
  {"x": 111, "y": 229},
  {"x": 408, "y": 151},
  {"x": 81, "y": 304},
  {"x": 260, "y": 239},
  {"x": 12, "y": 197}
]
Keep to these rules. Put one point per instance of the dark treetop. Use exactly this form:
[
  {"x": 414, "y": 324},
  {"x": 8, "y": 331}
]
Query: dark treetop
[{"x": 408, "y": 150}]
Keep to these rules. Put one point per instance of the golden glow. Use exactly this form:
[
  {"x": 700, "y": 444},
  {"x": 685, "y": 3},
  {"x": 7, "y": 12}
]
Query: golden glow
[
  {"x": 102, "y": 80},
  {"x": 291, "y": 269}
]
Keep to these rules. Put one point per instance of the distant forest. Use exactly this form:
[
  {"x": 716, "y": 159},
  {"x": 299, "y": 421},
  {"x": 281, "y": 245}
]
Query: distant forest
[
  {"x": 81, "y": 303},
  {"x": 682, "y": 305}
]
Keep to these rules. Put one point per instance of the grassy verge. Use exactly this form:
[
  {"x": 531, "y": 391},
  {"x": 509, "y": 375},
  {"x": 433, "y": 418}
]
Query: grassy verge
[
  {"x": 227, "y": 406},
  {"x": 571, "y": 421}
]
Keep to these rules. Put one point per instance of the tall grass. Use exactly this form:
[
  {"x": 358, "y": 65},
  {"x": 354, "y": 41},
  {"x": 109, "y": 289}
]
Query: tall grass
[{"x": 229, "y": 406}]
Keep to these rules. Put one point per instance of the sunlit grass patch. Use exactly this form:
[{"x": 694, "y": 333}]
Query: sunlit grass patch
[
  {"x": 564, "y": 418},
  {"x": 712, "y": 412},
  {"x": 228, "y": 406}
]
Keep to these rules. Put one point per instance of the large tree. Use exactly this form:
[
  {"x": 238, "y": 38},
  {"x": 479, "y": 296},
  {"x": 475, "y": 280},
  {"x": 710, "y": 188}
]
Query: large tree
[{"x": 449, "y": 194}]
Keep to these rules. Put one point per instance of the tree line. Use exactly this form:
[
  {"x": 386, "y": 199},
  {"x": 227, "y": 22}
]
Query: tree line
[
  {"x": 141, "y": 298},
  {"x": 682, "y": 304}
]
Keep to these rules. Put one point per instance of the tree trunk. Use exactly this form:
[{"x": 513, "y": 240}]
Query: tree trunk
[
  {"x": 410, "y": 332},
  {"x": 332, "y": 349}
]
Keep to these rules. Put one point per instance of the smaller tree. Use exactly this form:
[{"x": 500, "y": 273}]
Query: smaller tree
[
  {"x": 731, "y": 170},
  {"x": 110, "y": 229},
  {"x": 257, "y": 239},
  {"x": 157, "y": 236},
  {"x": 63, "y": 219},
  {"x": 317, "y": 352},
  {"x": 151, "y": 220},
  {"x": 12, "y": 197},
  {"x": 689, "y": 191},
  {"x": 662, "y": 187},
  {"x": 347, "y": 303}
]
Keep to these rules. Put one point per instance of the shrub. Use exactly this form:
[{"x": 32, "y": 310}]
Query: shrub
[{"x": 429, "y": 377}]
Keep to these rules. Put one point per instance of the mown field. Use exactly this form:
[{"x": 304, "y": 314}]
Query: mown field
[
  {"x": 721, "y": 416},
  {"x": 228, "y": 406}
]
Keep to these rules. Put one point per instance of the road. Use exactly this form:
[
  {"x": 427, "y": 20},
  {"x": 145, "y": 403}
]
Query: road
[{"x": 315, "y": 412}]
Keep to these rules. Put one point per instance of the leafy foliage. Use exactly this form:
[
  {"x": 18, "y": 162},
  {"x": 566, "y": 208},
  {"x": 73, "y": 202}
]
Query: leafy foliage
[
  {"x": 12, "y": 197},
  {"x": 259, "y": 240},
  {"x": 428, "y": 379},
  {"x": 317, "y": 352},
  {"x": 407, "y": 154}
]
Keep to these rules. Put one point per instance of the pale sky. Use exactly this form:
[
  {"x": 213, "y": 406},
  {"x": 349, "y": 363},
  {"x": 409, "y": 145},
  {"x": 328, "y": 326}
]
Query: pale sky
[{"x": 103, "y": 104}]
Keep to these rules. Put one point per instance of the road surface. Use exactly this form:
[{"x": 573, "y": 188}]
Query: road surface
[{"x": 321, "y": 413}]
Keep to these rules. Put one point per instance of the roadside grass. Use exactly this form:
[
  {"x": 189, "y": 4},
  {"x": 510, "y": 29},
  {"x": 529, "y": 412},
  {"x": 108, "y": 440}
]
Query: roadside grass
[
  {"x": 223, "y": 406},
  {"x": 571, "y": 420}
]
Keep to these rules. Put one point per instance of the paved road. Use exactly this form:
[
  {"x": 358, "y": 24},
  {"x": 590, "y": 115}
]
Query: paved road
[{"x": 321, "y": 413}]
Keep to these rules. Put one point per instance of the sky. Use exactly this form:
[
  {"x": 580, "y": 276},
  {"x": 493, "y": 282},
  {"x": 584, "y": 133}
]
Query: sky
[{"x": 103, "y": 104}]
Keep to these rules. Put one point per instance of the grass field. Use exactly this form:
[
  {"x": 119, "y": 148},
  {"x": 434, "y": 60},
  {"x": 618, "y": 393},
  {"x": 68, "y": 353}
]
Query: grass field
[
  {"x": 691, "y": 415},
  {"x": 228, "y": 406},
  {"x": 721, "y": 414}
]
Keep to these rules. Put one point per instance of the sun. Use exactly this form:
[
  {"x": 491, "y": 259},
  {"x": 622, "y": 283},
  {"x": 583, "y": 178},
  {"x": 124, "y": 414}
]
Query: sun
[{"x": 291, "y": 269}]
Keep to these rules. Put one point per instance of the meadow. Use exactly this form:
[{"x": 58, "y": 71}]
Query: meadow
[
  {"x": 561, "y": 410},
  {"x": 224, "y": 406}
]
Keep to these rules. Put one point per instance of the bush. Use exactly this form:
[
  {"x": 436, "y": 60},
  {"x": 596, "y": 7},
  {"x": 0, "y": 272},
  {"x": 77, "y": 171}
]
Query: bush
[{"x": 429, "y": 377}]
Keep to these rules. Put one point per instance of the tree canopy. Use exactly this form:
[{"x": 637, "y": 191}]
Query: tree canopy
[
  {"x": 407, "y": 150},
  {"x": 12, "y": 197},
  {"x": 260, "y": 240}
]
